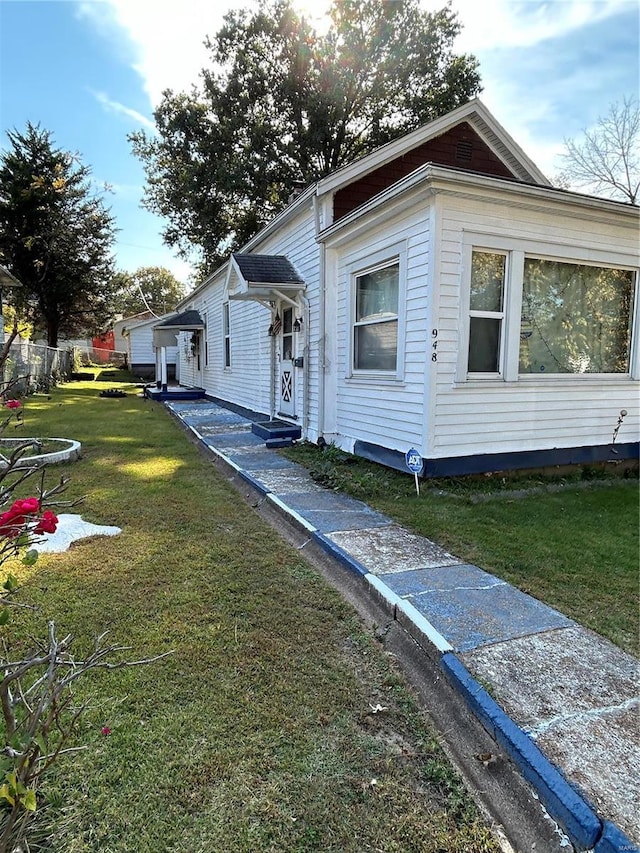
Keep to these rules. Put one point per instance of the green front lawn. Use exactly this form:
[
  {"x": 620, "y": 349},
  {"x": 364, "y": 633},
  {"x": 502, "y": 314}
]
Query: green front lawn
[
  {"x": 570, "y": 541},
  {"x": 260, "y": 732}
]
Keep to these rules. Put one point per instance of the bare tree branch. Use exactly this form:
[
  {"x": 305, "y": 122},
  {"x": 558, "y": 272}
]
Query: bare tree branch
[{"x": 607, "y": 159}]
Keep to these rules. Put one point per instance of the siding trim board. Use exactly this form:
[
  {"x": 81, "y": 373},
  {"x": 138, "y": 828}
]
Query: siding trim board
[{"x": 484, "y": 463}]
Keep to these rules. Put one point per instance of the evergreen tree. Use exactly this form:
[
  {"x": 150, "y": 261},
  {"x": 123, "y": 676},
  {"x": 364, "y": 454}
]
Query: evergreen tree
[{"x": 55, "y": 237}]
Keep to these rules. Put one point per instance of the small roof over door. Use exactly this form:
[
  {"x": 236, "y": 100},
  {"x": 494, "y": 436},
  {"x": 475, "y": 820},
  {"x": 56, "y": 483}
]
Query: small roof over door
[
  {"x": 185, "y": 322},
  {"x": 263, "y": 278},
  {"x": 164, "y": 333}
]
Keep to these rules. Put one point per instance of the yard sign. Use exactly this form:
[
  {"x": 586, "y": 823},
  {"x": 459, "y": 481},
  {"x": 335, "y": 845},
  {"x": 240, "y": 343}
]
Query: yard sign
[{"x": 415, "y": 465}]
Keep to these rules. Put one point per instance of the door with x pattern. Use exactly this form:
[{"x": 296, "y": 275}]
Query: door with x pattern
[{"x": 287, "y": 373}]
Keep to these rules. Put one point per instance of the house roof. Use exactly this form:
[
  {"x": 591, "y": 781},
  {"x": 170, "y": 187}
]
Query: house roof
[
  {"x": 7, "y": 279},
  {"x": 184, "y": 322},
  {"x": 267, "y": 269},
  {"x": 525, "y": 174},
  {"x": 476, "y": 115}
]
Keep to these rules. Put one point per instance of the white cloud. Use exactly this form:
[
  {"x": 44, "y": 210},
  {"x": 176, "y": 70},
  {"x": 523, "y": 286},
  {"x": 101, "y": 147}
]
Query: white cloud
[
  {"x": 164, "y": 43},
  {"x": 509, "y": 24},
  {"x": 166, "y": 37},
  {"x": 121, "y": 109}
]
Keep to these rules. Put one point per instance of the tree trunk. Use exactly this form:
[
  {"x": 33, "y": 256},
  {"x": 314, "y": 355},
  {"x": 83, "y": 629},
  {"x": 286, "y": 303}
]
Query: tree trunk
[{"x": 52, "y": 333}]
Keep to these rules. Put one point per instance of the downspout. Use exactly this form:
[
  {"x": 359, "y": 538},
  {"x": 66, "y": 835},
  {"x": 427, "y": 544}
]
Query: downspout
[
  {"x": 321, "y": 319},
  {"x": 272, "y": 390},
  {"x": 305, "y": 366}
]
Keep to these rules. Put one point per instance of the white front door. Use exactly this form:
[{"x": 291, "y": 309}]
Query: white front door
[{"x": 287, "y": 372}]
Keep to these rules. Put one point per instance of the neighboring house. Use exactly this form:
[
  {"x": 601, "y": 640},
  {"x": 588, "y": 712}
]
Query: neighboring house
[
  {"x": 439, "y": 295},
  {"x": 143, "y": 348},
  {"x": 120, "y": 342},
  {"x": 103, "y": 346}
]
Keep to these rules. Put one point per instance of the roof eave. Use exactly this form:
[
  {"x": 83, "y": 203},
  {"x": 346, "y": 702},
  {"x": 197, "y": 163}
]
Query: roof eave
[{"x": 440, "y": 178}]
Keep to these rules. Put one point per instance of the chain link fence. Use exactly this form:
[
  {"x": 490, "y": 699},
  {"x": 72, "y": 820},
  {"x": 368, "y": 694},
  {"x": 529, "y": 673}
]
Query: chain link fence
[
  {"x": 85, "y": 356},
  {"x": 32, "y": 367}
]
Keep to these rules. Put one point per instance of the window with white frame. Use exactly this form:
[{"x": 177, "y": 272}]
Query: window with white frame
[
  {"x": 375, "y": 326},
  {"x": 226, "y": 334},
  {"x": 486, "y": 312},
  {"x": 535, "y": 315}
]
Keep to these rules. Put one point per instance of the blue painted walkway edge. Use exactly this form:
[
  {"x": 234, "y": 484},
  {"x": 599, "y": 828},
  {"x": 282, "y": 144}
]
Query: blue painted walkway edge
[
  {"x": 614, "y": 841},
  {"x": 561, "y": 800},
  {"x": 327, "y": 513},
  {"x": 337, "y": 552},
  {"x": 253, "y": 481}
]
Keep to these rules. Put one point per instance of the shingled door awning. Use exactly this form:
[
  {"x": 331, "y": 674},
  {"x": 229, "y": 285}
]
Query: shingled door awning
[
  {"x": 164, "y": 333},
  {"x": 264, "y": 278}
]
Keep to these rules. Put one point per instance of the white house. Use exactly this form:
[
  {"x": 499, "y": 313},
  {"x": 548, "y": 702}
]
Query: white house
[
  {"x": 142, "y": 348},
  {"x": 437, "y": 294},
  {"x": 121, "y": 343}
]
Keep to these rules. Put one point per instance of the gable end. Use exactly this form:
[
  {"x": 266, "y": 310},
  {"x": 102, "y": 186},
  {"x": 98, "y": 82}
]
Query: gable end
[{"x": 461, "y": 147}]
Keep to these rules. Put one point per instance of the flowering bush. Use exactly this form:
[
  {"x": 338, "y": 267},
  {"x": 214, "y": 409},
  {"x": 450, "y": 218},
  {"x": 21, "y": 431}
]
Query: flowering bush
[
  {"x": 19, "y": 519},
  {"x": 20, "y": 761},
  {"x": 48, "y": 523}
]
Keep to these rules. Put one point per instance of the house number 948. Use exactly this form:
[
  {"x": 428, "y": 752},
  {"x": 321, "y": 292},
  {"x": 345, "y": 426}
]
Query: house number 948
[{"x": 434, "y": 344}]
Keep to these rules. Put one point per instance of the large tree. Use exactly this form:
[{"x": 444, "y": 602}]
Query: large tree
[
  {"x": 281, "y": 105},
  {"x": 606, "y": 158},
  {"x": 55, "y": 237},
  {"x": 147, "y": 289}
]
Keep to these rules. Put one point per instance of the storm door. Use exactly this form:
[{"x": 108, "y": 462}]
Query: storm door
[{"x": 287, "y": 373}]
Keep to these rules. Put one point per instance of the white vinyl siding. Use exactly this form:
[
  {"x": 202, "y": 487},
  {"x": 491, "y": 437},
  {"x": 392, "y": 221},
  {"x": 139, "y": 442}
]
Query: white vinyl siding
[
  {"x": 386, "y": 409},
  {"x": 516, "y": 412},
  {"x": 248, "y": 381},
  {"x": 140, "y": 347}
]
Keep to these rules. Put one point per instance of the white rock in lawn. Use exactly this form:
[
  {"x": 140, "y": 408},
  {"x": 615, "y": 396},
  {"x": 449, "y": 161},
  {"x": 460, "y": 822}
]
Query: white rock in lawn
[{"x": 70, "y": 528}]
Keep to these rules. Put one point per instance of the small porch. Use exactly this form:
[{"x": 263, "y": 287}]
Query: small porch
[
  {"x": 173, "y": 392},
  {"x": 213, "y": 415}
]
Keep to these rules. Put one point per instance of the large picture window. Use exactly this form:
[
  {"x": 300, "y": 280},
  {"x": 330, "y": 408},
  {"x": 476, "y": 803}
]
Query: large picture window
[
  {"x": 575, "y": 318},
  {"x": 375, "y": 330},
  {"x": 531, "y": 315}
]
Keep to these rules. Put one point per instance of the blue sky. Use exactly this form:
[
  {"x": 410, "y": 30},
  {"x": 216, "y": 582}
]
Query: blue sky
[{"x": 92, "y": 71}]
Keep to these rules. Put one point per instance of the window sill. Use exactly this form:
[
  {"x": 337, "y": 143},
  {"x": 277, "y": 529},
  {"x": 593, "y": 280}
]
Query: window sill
[
  {"x": 542, "y": 379},
  {"x": 375, "y": 379}
]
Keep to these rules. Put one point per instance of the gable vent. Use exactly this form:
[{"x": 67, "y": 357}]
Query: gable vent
[{"x": 464, "y": 151}]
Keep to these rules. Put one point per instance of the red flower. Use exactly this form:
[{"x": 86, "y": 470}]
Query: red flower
[
  {"x": 13, "y": 520},
  {"x": 105, "y": 730},
  {"x": 47, "y": 524},
  {"x": 13, "y": 404},
  {"x": 26, "y": 505}
]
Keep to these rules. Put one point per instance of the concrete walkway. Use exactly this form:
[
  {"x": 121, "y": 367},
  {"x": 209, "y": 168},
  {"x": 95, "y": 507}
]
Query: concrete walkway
[{"x": 560, "y": 700}]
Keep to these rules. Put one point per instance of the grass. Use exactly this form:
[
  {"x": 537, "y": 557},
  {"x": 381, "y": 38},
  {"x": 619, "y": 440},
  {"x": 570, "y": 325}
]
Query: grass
[
  {"x": 571, "y": 541},
  {"x": 258, "y": 733}
]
